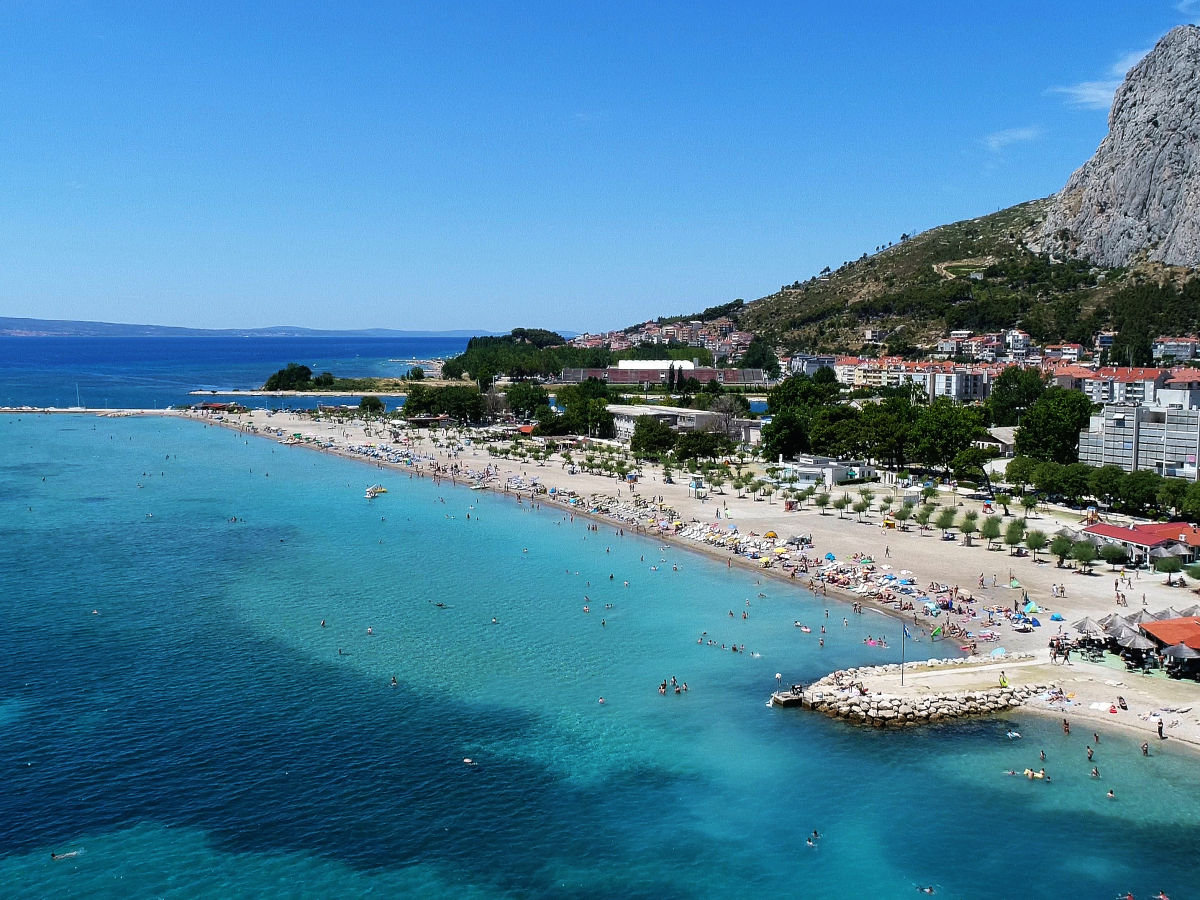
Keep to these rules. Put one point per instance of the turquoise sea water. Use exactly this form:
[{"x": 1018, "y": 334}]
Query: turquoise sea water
[{"x": 200, "y": 735}]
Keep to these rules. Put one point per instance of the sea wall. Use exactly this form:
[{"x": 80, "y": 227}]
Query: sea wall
[{"x": 838, "y": 695}]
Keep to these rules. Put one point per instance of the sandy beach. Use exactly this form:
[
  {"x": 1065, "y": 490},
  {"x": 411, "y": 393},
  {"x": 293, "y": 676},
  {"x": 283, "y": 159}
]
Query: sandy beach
[{"x": 1093, "y": 688}]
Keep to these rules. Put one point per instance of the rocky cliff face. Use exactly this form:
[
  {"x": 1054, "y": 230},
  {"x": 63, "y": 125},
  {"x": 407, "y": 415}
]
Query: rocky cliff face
[{"x": 1139, "y": 195}]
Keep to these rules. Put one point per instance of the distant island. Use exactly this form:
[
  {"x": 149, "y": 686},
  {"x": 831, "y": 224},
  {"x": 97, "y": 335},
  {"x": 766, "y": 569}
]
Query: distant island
[{"x": 18, "y": 327}]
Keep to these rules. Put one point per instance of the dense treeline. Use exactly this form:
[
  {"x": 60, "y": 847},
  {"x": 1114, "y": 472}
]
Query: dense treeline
[{"x": 1143, "y": 493}]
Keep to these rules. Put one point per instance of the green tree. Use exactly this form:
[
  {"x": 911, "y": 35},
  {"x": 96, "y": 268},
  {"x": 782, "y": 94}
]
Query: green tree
[
  {"x": 1172, "y": 493},
  {"x": 944, "y": 429},
  {"x": 416, "y": 373},
  {"x": 1060, "y": 546},
  {"x": 1050, "y": 428},
  {"x": 924, "y": 514},
  {"x": 990, "y": 530},
  {"x": 969, "y": 525},
  {"x": 944, "y": 520},
  {"x": 1105, "y": 483},
  {"x": 903, "y": 514},
  {"x": 860, "y": 507},
  {"x": 1139, "y": 490},
  {"x": 370, "y": 405},
  {"x": 1191, "y": 502},
  {"x": 1004, "y": 501},
  {"x": 786, "y": 435},
  {"x": 525, "y": 398},
  {"x": 1019, "y": 473},
  {"x": 1169, "y": 565},
  {"x": 1036, "y": 540},
  {"x": 1114, "y": 554},
  {"x": 1029, "y": 502},
  {"x": 292, "y": 378},
  {"x": 1014, "y": 533},
  {"x": 1084, "y": 553},
  {"x": 820, "y": 501},
  {"x": 1075, "y": 481},
  {"x": 1015, "y": 390},
  {"x": 759, "y": 355},
  {"x": 651, "y": 437},
  {"x": 841, "y": 503}
]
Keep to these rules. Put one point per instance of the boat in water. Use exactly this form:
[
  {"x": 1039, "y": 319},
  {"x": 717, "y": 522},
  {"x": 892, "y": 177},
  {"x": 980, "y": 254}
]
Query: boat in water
[{"x": 375, "y": 490}]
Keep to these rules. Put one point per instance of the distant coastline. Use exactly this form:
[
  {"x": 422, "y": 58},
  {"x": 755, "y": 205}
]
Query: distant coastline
[{"x": 19, "y": 327}]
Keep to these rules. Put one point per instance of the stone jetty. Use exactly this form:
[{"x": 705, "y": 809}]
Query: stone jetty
[{"x": 873, "y": 695}]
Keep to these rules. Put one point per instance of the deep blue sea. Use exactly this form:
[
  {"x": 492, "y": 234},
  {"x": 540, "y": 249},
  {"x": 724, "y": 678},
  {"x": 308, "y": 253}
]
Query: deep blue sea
[
  {"x": 173, "y": 713},
  {"x": 157, "y": 372}
]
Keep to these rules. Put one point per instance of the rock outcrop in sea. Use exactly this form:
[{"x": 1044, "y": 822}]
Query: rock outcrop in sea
[{"x": 1138, "y": 197}]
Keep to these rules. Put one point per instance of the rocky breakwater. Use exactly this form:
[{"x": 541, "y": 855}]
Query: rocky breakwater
[{"x": 845, "y": 695}]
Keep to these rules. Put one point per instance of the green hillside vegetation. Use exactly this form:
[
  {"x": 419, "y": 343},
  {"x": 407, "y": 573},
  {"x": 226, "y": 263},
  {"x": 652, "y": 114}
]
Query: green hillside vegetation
[{"x": 975, "y": 274}]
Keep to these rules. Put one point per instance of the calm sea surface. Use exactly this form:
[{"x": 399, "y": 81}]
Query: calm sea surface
[
  {"x": 153, "y": 372},
  {"x": 173, "y": 712}
]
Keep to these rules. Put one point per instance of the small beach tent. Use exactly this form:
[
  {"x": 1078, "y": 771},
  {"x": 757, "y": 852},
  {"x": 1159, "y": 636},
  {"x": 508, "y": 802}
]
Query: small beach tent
[
  {"x": 999, "y": 651},
  {"x": 830, "y": 557},
  {"x": 1031, "y": 607},
  {"x": 1014, "y": 584},
  {"x": 1056, "y": 617}
]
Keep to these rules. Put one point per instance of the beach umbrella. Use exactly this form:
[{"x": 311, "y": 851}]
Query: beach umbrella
[
  {"x": 771, "y": 534},
  {"x": 1120, "y": 631},
  {"x": 1086, "y": 625},
  {"x": 1168, "y": 613},
  {"x": 1140, "y": 616},
  {"x": 1193, "y": 610},
  {"x": 1181, "y": 651},
  {"x": 1136, "y": 642}
]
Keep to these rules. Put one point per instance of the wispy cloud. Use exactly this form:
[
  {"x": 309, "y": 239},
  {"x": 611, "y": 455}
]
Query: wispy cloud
[
  {"x": 1099, "y": 94},
  {"x": 1189, "y": 9},
  {"x": 998, "y": 140}
]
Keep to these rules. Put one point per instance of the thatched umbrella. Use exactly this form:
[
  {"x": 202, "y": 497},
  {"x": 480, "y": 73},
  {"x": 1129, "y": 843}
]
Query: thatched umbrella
[
  {"x": 1136, "y": 642},
  {"x": 1181, "y": 651}
]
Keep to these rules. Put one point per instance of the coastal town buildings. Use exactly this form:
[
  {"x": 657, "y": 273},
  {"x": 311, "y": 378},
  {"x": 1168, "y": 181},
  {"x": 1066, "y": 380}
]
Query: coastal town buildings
[{"x": 1136, "y": 438}]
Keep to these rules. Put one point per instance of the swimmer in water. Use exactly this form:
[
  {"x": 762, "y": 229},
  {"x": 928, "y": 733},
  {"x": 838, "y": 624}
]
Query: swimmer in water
[{"x": 394, "y": 681}]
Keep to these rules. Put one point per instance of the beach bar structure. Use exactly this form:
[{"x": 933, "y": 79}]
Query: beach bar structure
[{"x": 1149, "y": 541}]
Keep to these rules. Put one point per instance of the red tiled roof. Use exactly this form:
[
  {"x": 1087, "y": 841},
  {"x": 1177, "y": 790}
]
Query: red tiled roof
[
  {"x": 1149, "y": 535},
  {"x": 1174, "y": 631}
]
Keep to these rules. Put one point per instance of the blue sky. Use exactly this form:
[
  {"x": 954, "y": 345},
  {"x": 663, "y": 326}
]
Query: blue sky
[{"x": 491, "y": 165}]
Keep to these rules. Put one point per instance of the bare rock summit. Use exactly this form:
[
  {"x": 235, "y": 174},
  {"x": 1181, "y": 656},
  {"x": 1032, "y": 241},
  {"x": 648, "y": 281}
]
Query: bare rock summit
[{"x": 1138, "y": 197}]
